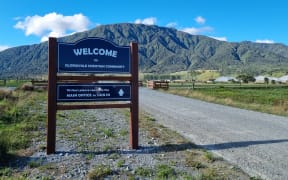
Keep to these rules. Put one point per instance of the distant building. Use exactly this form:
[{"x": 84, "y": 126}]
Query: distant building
[
  {"x": 225, "y": 79},
  {"x": 283, "y": 79},
  {"x": 261, "y": 79},
  {"x": 273, "y": 79}
]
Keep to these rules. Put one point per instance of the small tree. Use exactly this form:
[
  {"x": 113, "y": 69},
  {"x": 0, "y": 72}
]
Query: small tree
[
  {"x": 266, "y": 80},
  {"x": 193, "y": 75},
  {"x": 246, "y": 78}
]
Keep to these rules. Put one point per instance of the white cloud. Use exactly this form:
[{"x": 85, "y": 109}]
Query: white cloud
[
  {"x": 3, "y": 47},
  {"x": 267, "y": 41},
  {"x": 219, "y": 38},
  {"x": 53, "y": 24},
  {"x": 197, "y": 31},
  {"x": 146, "y": 21},
  {"x": 200, "y": 20},
  {"x": 172, "y": 25}
]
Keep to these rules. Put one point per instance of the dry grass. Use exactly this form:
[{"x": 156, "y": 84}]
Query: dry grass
[{"x": 5, "y": 93}]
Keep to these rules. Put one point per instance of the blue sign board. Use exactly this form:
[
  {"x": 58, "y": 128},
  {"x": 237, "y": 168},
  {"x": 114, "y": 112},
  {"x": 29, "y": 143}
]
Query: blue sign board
[
  {"x": 93, "y": 92},
  {"x": 93, "y": 55}
]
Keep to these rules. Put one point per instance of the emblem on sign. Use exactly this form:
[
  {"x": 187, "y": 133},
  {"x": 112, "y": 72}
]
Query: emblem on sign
[{"x": 121, "y": 92}]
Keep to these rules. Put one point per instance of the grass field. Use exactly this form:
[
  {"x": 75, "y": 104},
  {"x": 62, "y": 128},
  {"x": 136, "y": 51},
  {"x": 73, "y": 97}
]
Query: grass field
[
  {"x": 19, "y": 119},
  {"x": 12, "y": 83},
  {"x": 199, "y": 75},
  {"x": 260, "y": 97}
]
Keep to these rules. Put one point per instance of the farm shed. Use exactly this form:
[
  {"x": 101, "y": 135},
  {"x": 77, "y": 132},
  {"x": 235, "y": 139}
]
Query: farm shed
[
  {"x": 261, "y": 79},
  {"x": 273, "y": 79},
  {"x": 284, "y": 79},
  {"x": 225, "y": 79}
]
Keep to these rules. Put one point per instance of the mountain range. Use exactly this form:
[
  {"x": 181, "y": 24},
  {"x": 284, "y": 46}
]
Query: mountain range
[{"x": 161, "y": 50}]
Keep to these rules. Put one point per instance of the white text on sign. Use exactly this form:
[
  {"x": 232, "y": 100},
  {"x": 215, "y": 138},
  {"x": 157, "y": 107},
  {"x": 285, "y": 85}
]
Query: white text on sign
[{"x": 95, "y": 51}]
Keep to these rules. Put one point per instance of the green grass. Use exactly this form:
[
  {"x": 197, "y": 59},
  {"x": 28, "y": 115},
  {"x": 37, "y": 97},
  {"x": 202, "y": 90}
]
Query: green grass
[
  {"x": 269, "y": 99},
  {"x": 210, "y": 157},
  {"x": 264, "y": 96},
  {"x": 35, "y": 163},
  {"x": 6, "y": 172},
  {"x": 19, "y": 117},
  {"x": 194, "y": 160},
  {"x": 99, "y": 172},
  {"x": 161, "y": 171},
  {"x": 90, "y": 156},
  {"x": 114, "y": 156},
  {"x": 120, "y": 163},
  {"x": 200, "y": 75},
  {"x": 164, "y": 171},
  {"x": 12, "y": 83},
  {"x": 142, "y": 171},
  {"x": 107, "y": 147},
  {"x": 108, "y": 132},
  {"x": 123, "y": 132},
  {"x": 208, "y": 75}
]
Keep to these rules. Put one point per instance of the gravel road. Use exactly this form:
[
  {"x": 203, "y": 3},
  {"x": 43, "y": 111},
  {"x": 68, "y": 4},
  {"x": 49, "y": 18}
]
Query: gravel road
[{"x": 256, "y": 142}]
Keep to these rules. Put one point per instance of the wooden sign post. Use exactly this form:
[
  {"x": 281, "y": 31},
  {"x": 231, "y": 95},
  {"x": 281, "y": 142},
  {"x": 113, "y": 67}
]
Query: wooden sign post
[{"x": 96, "y": 56}]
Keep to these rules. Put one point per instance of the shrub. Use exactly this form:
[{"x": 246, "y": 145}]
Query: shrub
[
  {"x": 5, "y": 94},
  {"x": 5, "y": 172},
  {"x": 165, "y": 172},
  {"x": 210, "y": 157},
  {"x": 108, "y": 132},
  {"x": 144, "y": 172},
  {"x": 99, "y": 172},
  {"x": 27, "y": 87}
]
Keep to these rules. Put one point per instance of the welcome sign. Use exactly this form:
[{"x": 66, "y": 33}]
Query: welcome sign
[
  {"x": 116, "y": 67},
  {"x": 93, "y": 55}
]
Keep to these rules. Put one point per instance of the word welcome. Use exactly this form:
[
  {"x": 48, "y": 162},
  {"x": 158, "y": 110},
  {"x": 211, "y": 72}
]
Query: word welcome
[{"x": 95, "y": 51}]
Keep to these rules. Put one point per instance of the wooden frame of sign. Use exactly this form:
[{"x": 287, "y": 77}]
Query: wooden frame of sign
[{"x": 55, "y": 78}]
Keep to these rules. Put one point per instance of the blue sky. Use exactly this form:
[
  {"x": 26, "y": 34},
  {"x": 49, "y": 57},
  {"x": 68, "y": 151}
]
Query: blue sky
[{"x": 25, "y": 22}]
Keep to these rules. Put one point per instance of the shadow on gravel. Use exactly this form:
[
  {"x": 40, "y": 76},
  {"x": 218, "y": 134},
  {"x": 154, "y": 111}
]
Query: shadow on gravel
[
  {"x": 19, "y": 162},
  {"x": 140, "y": 150},
  {"x": 240, "y": 144}
]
